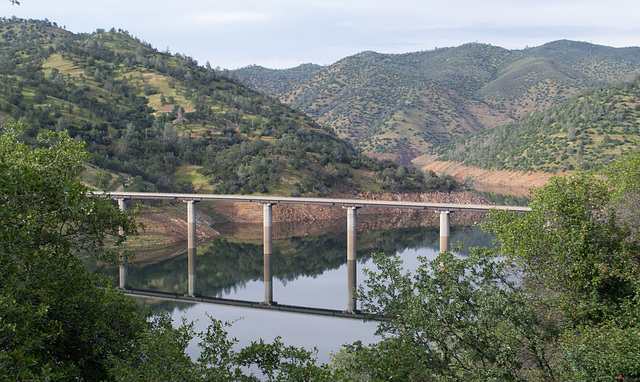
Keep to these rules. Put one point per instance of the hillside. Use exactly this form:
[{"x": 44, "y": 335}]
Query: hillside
[
  {"x": 589, "y": 129},
  {"x": 156, "y": 121},
  {"x": 274, "y": 81},
  {"x": 400, "y": 106}
]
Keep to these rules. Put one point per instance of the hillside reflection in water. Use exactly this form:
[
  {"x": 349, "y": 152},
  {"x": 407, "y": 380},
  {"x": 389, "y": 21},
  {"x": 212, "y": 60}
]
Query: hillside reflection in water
[{"x": 308, "y": 271}]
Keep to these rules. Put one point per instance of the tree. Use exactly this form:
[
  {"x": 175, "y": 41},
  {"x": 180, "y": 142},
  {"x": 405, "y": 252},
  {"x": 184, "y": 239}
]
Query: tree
[
  {"x": 454, "y": 319},
  {"x": 557, "y": 299},
  {"x": 580, "y": 260},
  {"x": 58, "y": 320},
  {"x": 169, "y": 133}
]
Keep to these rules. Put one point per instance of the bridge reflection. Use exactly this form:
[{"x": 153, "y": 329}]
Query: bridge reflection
[
  {"x": 351, "y": 207},
  {"x": 353, "y": 314}
]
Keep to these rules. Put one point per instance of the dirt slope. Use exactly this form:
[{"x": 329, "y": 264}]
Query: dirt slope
[{"x": 481, "y": 176}]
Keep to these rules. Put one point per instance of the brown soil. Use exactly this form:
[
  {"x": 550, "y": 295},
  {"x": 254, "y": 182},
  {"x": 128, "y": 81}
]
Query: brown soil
[
  {"x": 488, "y": 177},
  {"x": 252, "y": 213}
]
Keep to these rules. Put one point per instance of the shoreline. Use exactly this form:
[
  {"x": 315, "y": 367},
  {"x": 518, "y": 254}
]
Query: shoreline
[{"x": 487, "y": 178}]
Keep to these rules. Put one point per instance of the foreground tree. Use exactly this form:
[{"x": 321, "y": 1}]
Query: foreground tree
[
  {"x": 557, "y": 299},
  {"x": 59, "y": 322},
  {"x": 55, "y": 320},
  {"x": 580, "y": 257},
  {"x": 455, "y": 319}
]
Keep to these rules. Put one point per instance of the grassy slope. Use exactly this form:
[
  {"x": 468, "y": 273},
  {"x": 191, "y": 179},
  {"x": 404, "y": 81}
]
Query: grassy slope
[
  {"x": 103, "y": 87},
  {"x": 402, "y": 105}
]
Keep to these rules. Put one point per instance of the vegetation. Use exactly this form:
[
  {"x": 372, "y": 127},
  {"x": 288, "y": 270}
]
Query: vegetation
[
  {"x": 274, "y": 81},
  {"x": 56, "y": 321},
  {"x": 403, "y": 105},
  {"x": 147, "y": 115},
  {"x": 59, "y": 322},
  {"x": 590, "y": 129},
  {"x": 557, "y": 299},
  {"x": 400, "y": 106}
]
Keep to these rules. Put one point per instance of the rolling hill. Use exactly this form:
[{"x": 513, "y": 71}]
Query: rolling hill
[
  {"x": 157, "y": 121},
  {"x": 400, "y": 106},
  {"x": 589, "y": 129}
]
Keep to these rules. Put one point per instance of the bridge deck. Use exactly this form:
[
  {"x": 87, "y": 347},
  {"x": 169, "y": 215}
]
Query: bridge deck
[{"x": 311, "y": 201}]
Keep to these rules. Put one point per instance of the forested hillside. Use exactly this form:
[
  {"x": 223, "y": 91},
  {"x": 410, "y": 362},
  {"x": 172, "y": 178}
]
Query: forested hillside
[
  {"x": 592, "y": 128},
  {"x": 161, "y": 122},
  {"x": 274, "y": 81},
  {"x": 400, "y": 106}
]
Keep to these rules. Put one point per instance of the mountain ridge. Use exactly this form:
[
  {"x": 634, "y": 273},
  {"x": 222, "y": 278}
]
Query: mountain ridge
[
  {"x": 156, "y": 121},
  {"x": 385, "y": 103}
]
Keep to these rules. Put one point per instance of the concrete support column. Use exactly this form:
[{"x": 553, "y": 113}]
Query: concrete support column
[
  {"x": 268, "y": 251},
  {"x": 445, "y": 231},
  {"x": 191, "y": 245},
  {"x": 122, "y": 269},
  {"x": 352, "y": 284},
  {"x": 351, "y": 233},
  {"x": 351, "y": 258}
]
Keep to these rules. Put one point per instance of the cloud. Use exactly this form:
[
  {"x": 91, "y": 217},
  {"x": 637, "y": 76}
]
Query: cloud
[
  {"x": 224, "y": 18},
  {"x": 287, "y": 32}
]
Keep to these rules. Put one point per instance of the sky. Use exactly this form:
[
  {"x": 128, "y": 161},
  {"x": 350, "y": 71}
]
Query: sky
[{"x": 285, "y": 33}]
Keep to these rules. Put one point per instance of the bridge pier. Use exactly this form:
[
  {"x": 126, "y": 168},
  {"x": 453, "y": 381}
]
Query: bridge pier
[
  {"x": 268, "y": 251},
  {"x": 351, "y": 258},
  {"x": 445, "y": 231},
  {"x": 191, "y": 246},
  {"x": 351, "y": 233},
  {"x": 122, "y": 268}
]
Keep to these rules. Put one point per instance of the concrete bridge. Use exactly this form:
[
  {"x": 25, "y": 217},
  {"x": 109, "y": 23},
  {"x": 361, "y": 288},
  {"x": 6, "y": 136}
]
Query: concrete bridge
[{"x": 350, "y": 205}]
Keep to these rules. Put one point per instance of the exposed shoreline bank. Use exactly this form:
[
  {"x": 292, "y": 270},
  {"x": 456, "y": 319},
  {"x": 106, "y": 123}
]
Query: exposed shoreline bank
[{"x": 462, "y": 173}]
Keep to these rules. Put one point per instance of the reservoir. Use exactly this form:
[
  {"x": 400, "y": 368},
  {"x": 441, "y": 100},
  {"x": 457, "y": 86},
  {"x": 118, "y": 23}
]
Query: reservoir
[{"x": 309, "y": 270}]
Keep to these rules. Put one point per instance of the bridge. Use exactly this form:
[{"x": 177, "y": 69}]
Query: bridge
[{"x": 350, "y": 205}]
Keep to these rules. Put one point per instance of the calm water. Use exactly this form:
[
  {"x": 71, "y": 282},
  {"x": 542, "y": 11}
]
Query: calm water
[{"x": 309, "y": 271}]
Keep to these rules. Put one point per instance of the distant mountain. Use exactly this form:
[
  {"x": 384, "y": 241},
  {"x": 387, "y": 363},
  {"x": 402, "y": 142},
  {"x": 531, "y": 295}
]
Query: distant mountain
[
  {"x": 274, "y": 81},
  {"x": 160, "y": 122},
  {"x": 402, "y": 105},
  {"x": 589, "y": 129}
]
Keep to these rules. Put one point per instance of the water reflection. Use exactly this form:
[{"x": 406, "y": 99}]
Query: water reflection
[
  {"x": 306, "y": 271},
  {"x": 226, "y": 265}
]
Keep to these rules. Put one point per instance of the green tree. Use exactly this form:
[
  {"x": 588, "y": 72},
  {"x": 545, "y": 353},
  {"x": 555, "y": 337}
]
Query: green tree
[
  {"x": 60, "y": 322},
  {"x": 580, "y": 259},
  {"x": 557, "y": 299},
  {"x": 455, "y": 319},
  {"x": 57, "y": 320}
]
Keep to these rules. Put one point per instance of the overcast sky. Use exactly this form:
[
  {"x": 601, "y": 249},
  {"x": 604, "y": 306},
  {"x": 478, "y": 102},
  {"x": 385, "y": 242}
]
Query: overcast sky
[{"x": 286, "y": 33}]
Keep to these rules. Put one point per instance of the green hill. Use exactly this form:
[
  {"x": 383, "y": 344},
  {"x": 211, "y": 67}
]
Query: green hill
[
  {"x": 274, "y": 81},
  {"x": 590, "y": 129},
  {"x": 400, "y": 106},
  {"x": 160, "y": 122}
]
